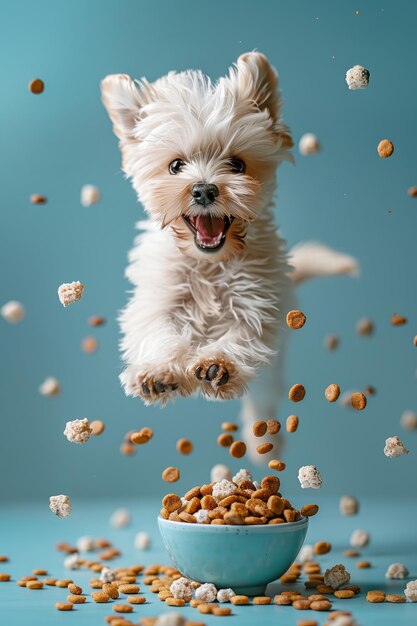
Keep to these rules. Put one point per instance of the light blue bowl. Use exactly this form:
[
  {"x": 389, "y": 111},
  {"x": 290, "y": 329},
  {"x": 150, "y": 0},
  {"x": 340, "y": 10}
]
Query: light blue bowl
[{"x": 245, "y": 558}]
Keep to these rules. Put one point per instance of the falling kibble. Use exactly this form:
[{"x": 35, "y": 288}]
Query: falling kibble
[
  {"x": 184, "y": 446},
  {"x": 50, "y": 387},
  {"x": 297, "y": 393},
  {"x": 295, "y": 319},
  {"x": 365, "y": 327},
  {"x": 385, "y": 148},
  {"x": 171, "y": 474},
  {"x": 13, "y": 312},
  {"x": 412, "y": 192},
  {"x": 90, "y": 194},
  {"x": 36, "y": 86},
  {"x": 36, "y": 198},
  {"x": 332, "y": 392},
  {"x": 358, "y": 400},
  {"x": 398, "y": 320},
  {"x": 357, "y": 77},
  {"x": 331, "y": 342},
  {"x": 97, "y": 427},
  {"x": 89, "y": 345},
  {"x": 96, "y": 320}
]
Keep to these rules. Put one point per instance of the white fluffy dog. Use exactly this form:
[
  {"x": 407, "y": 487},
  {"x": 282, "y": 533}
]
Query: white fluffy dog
[{"x": 212, "y": 283}]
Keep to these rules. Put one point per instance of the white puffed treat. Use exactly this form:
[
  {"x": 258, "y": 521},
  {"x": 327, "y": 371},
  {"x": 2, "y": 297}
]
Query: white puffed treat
[
  {"x": 202, "y": 516},
  {"x": 220, "y": 472},
  {"x": 13, "y": 311},
  {"x": 72, "y": 562},
  {"x": 306, "y": 554},
  {"x": 90, "y": 194},
  {"x": 357, "y": 77},
  {"x": 85, "y": 544},
  {"x": 394, "y": 447},
  {"x": 409, "y": 420},
  {"x": 241, "y": 475},
  {"x": 308, "y": 144},
  {"x": 397, "y": 571},
  {"x": 359, "y": 538},
  {"x": 60, "y": 505},
  {"x": 309, "y": 477},
  {"x": 206, "y": 592},
  {"x": 171, "y": 619},
  {"x": 107, "y": 575},
  {"x": 182, "y": 588},
  {"x": 70, "y": 292},
  {"x": 348, "y": 505},
  {"x": 336, "y": 576},
  {"x": 120, "y": 518},
  {"x": 344, "y": 620},
  {"x": 50, "y": 387},
  {"x": 224, "y": 595},
  {"x": 78, "y": 431},
  {"x": 142, "y": 541},
  {"x": 410, "y": 591},
  {"x": 223, "y": 489}
]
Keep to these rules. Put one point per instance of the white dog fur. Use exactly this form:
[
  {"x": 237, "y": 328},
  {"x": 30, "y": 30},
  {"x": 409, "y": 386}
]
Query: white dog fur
[{"x": 206, "y": 316}]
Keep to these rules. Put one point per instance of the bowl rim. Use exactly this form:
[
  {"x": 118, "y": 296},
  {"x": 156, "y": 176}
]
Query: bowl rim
[{"x": 289, "y": 526}]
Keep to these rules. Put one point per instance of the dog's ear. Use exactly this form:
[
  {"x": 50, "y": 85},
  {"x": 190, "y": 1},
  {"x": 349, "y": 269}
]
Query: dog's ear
[
  {"x": 123, "y": 99},
  {"x": 254, "y": 79}
]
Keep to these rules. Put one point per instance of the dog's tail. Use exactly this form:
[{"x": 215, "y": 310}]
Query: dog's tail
[{"x": 307, "y": 260}]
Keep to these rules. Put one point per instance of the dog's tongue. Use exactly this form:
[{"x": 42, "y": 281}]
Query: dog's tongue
[{"x": 209, "y": 228}]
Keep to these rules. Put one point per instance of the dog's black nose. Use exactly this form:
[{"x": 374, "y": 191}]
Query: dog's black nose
[{"x": 204, "y": 193}]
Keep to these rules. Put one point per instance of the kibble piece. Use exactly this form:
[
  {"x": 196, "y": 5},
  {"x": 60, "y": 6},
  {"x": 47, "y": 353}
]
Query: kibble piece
[
  {"x": 344, "y": 594},
  {"x": 111, "y": 589},
  {"x": 97, "y": 320},
  {"x": 276, "y": 465},
  {"x": 363, "y": 564},
  {"x": 50, "y": 387},
  {"x": 64, "y": 606},
  {"x": 225, "y": 440},
  {"x": 49, "y": 581},
  {"x": 309, "y": 509},
  {"x": 184, "y": 446},
  {"x": 90, "y": 194},
  {"x": 122, "y": 608},
  {"x": 359, "y": 538},
  {"x": 36, "y": 198},
  {"x": 365, "y": 327},
  {"x": 60, "y": 505},
  {"x": 137, "y": 599},
  {"x": 171, "y": 502},
  {"x": 409, "y": 420},
  {"x": 348, "y": 505},
  {"x": 394, "y": 447},
  {"x": 262, "y": 600},
  {"x": 230, "y": 427},
  {"x": 398, "y": 320},
  {"x": 292, "y": 423},
  {"x": 259, "y": 428},
  {"x": 36, "y": 86},
  {"x": 239, "y": 599},
  {"x": 89, "y": 345},
  {"x": 264, "y": 448},
  {"x": 358, "y": 400},
  {"x": 307, "y": 622},
  {"x": 336, "y": 577},
  {"x": 308, "y": 144},
  {"x": 100, "y": 596},
  {"x": 76, "y": 599},
  {"x": 395, "y": 598},
  {"x": 221, "y": 610},
  {"x": 273, "y": 427},
  {"x": 139, "y": 438},
  {"x": 128, "y": 588},
  {"x": 13, "y": 312},
  {"x": 171, "y": 474},
  {"x": 309, "y": 477},
  {"x": 412, "y": 192},
  {"x": 78, "y": 431},
  {"x": 295, "y": 319},
  {"x": 301, "y": 604},
  {"x": 375, "y": 595},
  {"x": 220, "y": 472},
  {"x": 282, "y": 600},
  {"x": 397, "y": 571},
  {"x": 297, "y": 393},
  {"x": 331, "y": 342},
  {"x": 385, "y": 148},
  {"x": 4, "y": 578},
  {"x": 120, "y": 518},
  {"x": 75, "y": 590},
  {"x": 322, "y": 547},
  {"x": 357, "y": 77},
  {"x": 97, "y": 427},
  {"x": 332, "y": 392},
  {"x": 34, "y": 584},
  {"x": 182, "y": 589},
  {"x": 351, "y": 553},
  {"x": 320, "y": 605},
  {"x": 127, "y": 449},
  {"x": 70, "y": 292},
  {"x": 4, "y": 558},
  {"x": 237, "y": 449}
]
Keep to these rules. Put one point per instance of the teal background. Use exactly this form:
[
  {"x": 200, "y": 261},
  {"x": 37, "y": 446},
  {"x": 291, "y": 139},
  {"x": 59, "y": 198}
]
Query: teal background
[{"x": 346, "y": 196}]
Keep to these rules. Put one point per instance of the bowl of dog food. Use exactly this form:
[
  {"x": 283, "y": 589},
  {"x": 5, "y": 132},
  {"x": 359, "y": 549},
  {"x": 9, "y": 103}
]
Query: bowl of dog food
[{"x": 235, "y": 534}]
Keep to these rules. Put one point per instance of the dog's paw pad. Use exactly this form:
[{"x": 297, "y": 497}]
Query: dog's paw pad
[{"x": 217, "y": 372}]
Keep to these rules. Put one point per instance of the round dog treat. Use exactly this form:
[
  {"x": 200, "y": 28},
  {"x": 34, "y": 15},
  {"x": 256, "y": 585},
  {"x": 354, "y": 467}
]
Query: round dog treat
[
  {"x": 308, "y": 144},
  {"x": 282, "y": 600},
  {"x": 50, "y": 387},
  {"x": 385, "y": 148},
  {"x": 273, "y": 427},
  {"x": 171, "y": 502},
  {"x": 120, "y": 518},
  {"x": 171, "y": 474},
  {"x": 239, "y": 599},
  {"x": 139, "y": 438},
  {"x": 90, "y": 194},
  {"x": 309, "y": 477},
  {"x": 136, "y": 599},
  {"x": 357, "y": 77},
  {"x": 358, "y": 400},
  {"x": 295, "y": 319},
  {"x": 375, "y": 595},
  {"x": 276, "y": 465},
  {"x": 70, "y": 292},
  {"x": 13, "y": 312},
  {"x": 394, "y": 447},
  {"x": 292, "y": 423},
  {"x": 63, "y": 606},
  {"x": 220, "y": 472},
  {"x": 398, "y": 320},
  {"x": 322, "y": 547},
  {"x": 348, "y": 505},
  {"x": 78, "y": 431},
  {"x": 76, "y": 599},
  {"x": 320, "y": 605},
  {"x": 225, "y": 440},
  {"x": 297, "y": 393},
  {"x": 308, "y": 510},
  {"x": 230, "y": 427},
  {"x": 128, "y": 588},
  {"x": 34, "y": 584},
  {"x": 237, "y": 449},
  {"x": 332, "y": 392},
  {"x": 36, "y": 86},
  {"x": 359, "y": 538},
  {"x": 97, "y": 427},
  {"x": 397, "y": 571},
  {"x": 60, "y": 505},
  {"x": 409, "y": 420},
  {"x": 100, "y": 596},
  {"x": 89, "y": 345},
  {"x": 184, "y": 446},
  {"x": 264, "y": 448},
  {"x": 122, "y": 608},
  {"x": 331, "y": 342},
  {"x": 262, "y": 600},
  {"x": 365, "y": 327},
  {"x": 344, "y": 594},
  {"x": 259, "y": 428}
]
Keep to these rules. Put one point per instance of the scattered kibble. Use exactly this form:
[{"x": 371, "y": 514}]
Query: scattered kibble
[
  {"x": 332, "y": 392},
  {"x": 70, "y": 292},
  {"x": 409, "y": 420},
  {"x": 276, "y": 465},
  {"x": 64, "y": 606},
  {"x": 89, "y": 345},
  {"x": 363, "y": 564},
  {"x": 36, "y": 86},
  {"x": 229, "y": 427},
  {"x": 357, "y": 77},
  {"x": 394, "y": 447},
  {"x": 365, "y": 327},
  {"x": 322, "y": 547},
  {"x": 225, "y": 440},
  {"x": 308, "y": 144},
  {"x": 412, "y": 192},
  {"x": 297, "y": 393},
  {"x": 273, "y": 427},
  {"x": 398, "y": 320},
  {"x": 60, "y": 505},
  {"x": 295, "y": 319},
  {"x": 309, "y": 477},
  {"x": 36, "y": 198},
  {"x": 264, "y": 448},
  {"x": 97, "y": 427},
  {"x": 90, "y": 194},
  {"x": 292, "y": 423},
  {"x": 171, "y": 474},
  {"x": 13, "y": 312},
  {"x": 184, "y": 446},
  {"x": 96, "y": 320},
  {"x": 50, "y": 387},
  {"x": 331, "y": 342},
  {"x": 358, "y": 400},
  {"x": 385, "y": 148},
  {"x": 259, "y": 428},
  {"x": 237, "y": 449},
  {"x": 120, "y": 518},
  {"x": 78, "y": 431}
]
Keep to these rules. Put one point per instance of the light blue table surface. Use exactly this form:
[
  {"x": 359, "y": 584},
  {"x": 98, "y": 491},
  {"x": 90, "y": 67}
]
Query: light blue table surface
[{"x": 29, "y": 532}]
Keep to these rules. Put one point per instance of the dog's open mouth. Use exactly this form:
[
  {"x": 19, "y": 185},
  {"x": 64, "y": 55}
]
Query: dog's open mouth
[{"x": 209, "y": 231}]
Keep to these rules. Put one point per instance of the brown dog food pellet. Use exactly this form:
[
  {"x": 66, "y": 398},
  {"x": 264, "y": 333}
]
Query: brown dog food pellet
[
  {"x": 344, "y": 593},
  {"x": 385, "y": 148},
  {"x": 97, "y": 427},
  {"x": 320, "y": 605},
  {"x": 36, "y": 86},
  {"x": 137, "y": 599},
  {"x": 295, "y": 319},
  {"x": 76, "y": 599},
  {"x": 292, "y": 423},
  {"x": 239, "y": 599},
  {"x": 64, "y": 606},
  {"x": 40, "y": 572},
  {"x": 237, "y": 449},
  {"x": 363, "y": 564},
  {"x": 89, "y": 345},
  {"x": 184, "y": 446},
  {"x": 171, "y": 474},
  {"x": 322, "y": 547},
  {"x": 205, "y": 608},
  {"x": 273, "y": 427},
  {"x": 393, "y": 597},
  {"x": 375, "y": 596},
  {"x": 302, "y": 604},
  {"x": 140, "y": 438},
  {"x": 3, "y": 558},
  {"x": 259, "y": 428},
  {"x": 365, "y": 327},
  {"x": 331, "y": 342},
  {"x": 50, "y": 581},
  {"x": 230, "y": 427},
  {"x": 187, "y": 517},
  {"x": 36, "y": 198},
  {"x": 63, "y": 583},
  {"x": 4, "y": 578},
  {"x": 264, "y": 448},
  {"x": 220, "y": 611},
  {"x": 111, "y": 590},
  {"x": 122, "y": 608},
  {"x": 100, "y": 596},
  {"x": 175, "y": 602},
  {"x": 297, "y": 393},
  {"x": 278, "y": 466},
  {"x": 262, "y": 600},
  {"x": 358, "y": 400},
  {"x": 332, "y": 392},
  {"x": 309, "y": 509},
  {"x": 307, "y": 622},
  {"x": 128, "y": 588},
  {"x": 97, "y": 320},
  {"x": 127, "y": 449},
  {"x": 225, "y": 440},
  {"x": 398, "y": 320},
  {"x": 412, "y": 192},
  {"x": 34, "y": 584},
  {"x": 351, "y": 553},
  {"x": 282, "y": 600},
  {"x": 370, "y": 390}
]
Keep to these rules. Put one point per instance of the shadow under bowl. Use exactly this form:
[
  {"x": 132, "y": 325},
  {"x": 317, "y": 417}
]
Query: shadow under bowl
[{"x": 245, "y": 558}]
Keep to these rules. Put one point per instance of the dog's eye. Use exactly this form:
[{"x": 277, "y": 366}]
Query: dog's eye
[
  {"x": 176, "y": 166},
  {"x": 237, "y": 165}
]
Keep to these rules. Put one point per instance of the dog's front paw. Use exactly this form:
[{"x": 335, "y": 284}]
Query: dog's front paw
[
  {"x": 154, "y": 384},
  {"x": 218, "y": 377}
]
